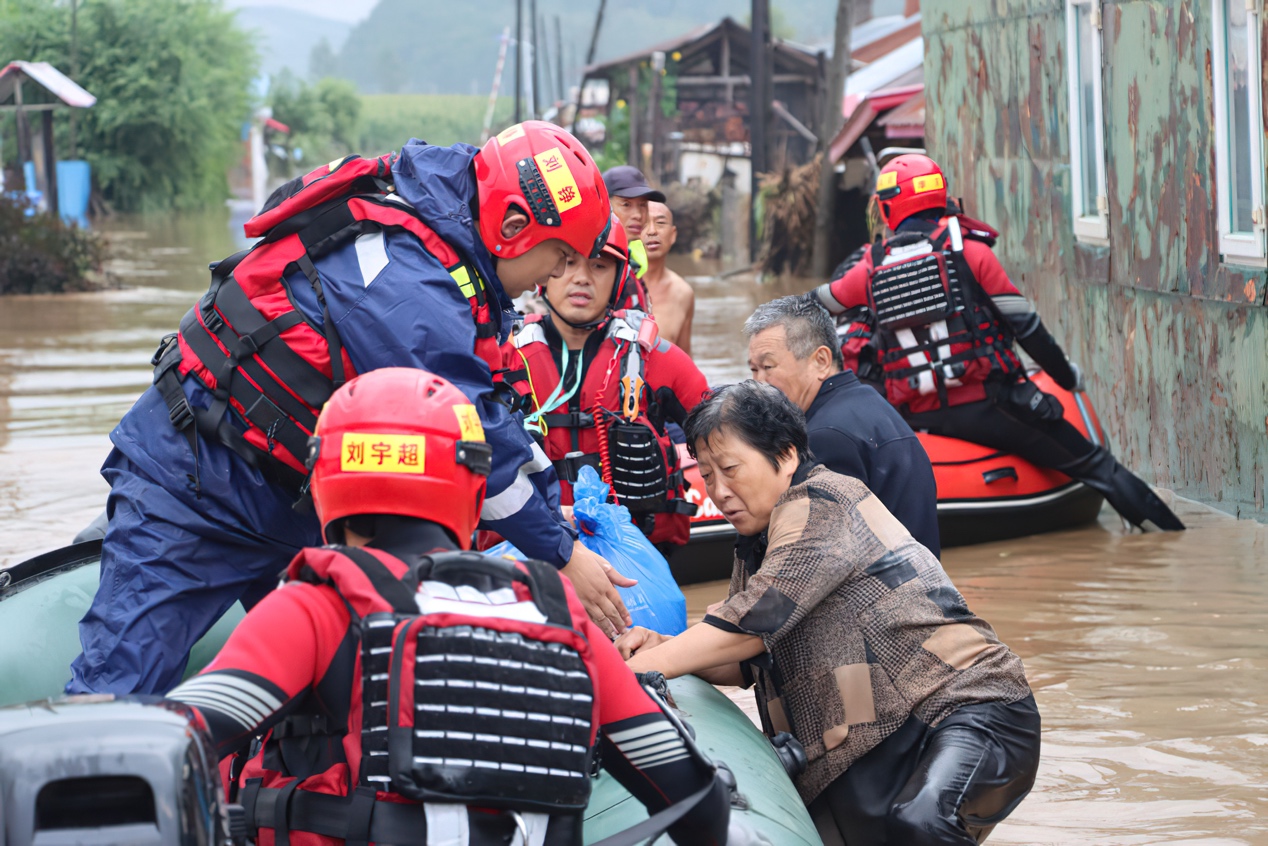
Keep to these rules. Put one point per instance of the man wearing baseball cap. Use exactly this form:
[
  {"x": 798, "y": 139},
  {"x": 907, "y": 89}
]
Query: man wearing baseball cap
[{"x": 630, "y": 194}]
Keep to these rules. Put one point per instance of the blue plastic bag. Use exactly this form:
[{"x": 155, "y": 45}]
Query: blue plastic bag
[{"x": 656, "y": 602}]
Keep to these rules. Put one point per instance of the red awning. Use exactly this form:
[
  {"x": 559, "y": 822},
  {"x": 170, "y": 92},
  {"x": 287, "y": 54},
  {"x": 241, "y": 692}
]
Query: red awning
[
  {"x": 874, "y": 104},
  {"x": 277, "y": 126}
]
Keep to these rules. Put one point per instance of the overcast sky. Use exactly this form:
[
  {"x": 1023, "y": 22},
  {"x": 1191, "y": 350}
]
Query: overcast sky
[{"x": 351, "y": 11}]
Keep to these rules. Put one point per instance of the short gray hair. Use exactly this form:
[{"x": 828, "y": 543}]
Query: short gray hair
[{"x": 807, "y": 326}]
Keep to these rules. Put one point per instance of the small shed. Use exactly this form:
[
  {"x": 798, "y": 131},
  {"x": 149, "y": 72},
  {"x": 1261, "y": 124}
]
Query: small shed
[
  {"x": 27, "y": 87},
  {"x": 702, "y": 80}
]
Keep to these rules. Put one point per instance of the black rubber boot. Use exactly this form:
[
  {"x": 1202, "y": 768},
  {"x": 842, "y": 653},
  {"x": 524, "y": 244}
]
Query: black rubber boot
[{"x": 1126, "y": 494}]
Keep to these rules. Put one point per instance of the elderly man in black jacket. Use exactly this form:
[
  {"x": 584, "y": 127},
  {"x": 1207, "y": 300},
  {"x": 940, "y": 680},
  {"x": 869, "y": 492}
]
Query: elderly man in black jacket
[{"x": 792, "y": 344}]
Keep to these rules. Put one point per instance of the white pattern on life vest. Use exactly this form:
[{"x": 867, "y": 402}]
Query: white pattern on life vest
[
  {"x": 371, "y": 256},
  {"x": 444, "y": 598}
]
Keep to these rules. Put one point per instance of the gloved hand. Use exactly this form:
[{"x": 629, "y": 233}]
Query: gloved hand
[{"x": 1079, "y": 385}]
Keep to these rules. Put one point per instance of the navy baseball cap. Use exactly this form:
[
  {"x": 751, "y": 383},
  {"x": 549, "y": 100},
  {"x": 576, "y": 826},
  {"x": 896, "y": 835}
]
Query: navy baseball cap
[{"x": 628, "y": 181}]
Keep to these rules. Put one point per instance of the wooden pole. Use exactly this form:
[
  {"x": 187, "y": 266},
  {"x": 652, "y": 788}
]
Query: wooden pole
[
  {"x": 594, "y": 35},
  {"x": 74, "y": 72},
  {"x": 759, "y": 111},
  {"x": 519, "y": 59},
  {"x": 838, "y": 72},
  {"x": 50, "y": 162},
  {"x": 632, "y": 80}
]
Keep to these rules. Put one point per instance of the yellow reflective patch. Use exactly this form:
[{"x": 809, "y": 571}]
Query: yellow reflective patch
[
  {"x": 368, "y": 453},
  {"x": 559, "y": 179},
  {"x": 469, "y": 424},
  {"x": 932, "y": 182},
  {"x": 333, "y": 166},
  {"x": 506, "y": 136},
  {"x": 463, "y": 278},
  {"x": 887, "y": 180}
]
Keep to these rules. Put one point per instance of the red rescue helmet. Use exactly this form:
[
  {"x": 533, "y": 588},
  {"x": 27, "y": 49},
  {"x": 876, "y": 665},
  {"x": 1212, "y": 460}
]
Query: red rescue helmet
[
  {"x": 618, "y": 246},
  {"x": 909, "y": 184},
  {"x": 400, "y": 441},
  {"x": 549, "y": 175}
]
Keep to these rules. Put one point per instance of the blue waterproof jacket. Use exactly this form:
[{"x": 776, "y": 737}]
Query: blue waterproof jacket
[{"x": 395, "y": 305}]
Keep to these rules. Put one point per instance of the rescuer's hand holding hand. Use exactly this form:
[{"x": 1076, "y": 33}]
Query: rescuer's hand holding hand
[
  {"x": 638, "y": 638},
  {"x": 593, "y": 579}
]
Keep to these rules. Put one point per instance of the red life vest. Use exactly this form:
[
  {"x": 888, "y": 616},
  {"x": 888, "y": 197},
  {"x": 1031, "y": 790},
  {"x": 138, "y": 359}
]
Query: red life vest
[
  {"x": 596, "y": 427},
  {"x": 436, "y": 699},
  {"x": 935, "y": 324},
  {"x": 248, "y": 344}
]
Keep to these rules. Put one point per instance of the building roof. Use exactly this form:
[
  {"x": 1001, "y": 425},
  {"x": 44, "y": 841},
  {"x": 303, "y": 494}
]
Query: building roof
[
  {"x": 907, "y": 120},
  {"x": 869, "y": 108},
  {"x": 701, "y": 37},
  {"x": 47, "y": 77}
]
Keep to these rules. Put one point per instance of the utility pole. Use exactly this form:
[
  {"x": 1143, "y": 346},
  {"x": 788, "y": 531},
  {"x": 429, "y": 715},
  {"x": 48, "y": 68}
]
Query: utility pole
[
  {"x": 519, "y": 59},
  {"x": 559, "y": 62},
  {"x": 497, "y": 85},
  {"x": 838, "y": 72},
  {"x": 759, "y": 111},
  {"x": 594, "y": 43},
  {"x": 74, "y": 69},
  {"x": 532, "y": 55}
]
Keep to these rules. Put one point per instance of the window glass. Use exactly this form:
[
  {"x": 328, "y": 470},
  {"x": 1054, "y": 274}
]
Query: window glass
[
  {"x": 1089, "y": 77},
  {"x": 1240, "y": 174}
]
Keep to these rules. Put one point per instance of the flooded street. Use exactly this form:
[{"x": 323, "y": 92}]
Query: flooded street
[{"x": 1146, "y": 652}]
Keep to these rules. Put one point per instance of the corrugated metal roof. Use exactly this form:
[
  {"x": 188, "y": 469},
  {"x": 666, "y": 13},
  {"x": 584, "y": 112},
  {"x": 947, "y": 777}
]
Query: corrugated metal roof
[{"x": 48, "y": 77}]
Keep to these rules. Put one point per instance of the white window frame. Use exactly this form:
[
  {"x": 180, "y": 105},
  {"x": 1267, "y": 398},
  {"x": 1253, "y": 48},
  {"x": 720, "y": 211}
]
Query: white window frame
[
  {"x": 1092, "y": 229},
  {"x": 1238, "y": 247}
]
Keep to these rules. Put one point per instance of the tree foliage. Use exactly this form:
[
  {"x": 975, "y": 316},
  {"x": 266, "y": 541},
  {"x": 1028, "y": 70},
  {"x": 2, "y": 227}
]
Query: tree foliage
[
  {"x": 323, "y": 118},
  {"x": 172, "y": 80}
]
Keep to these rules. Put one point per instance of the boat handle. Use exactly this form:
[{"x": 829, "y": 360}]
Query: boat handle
[{"x": 993, "y": 476}]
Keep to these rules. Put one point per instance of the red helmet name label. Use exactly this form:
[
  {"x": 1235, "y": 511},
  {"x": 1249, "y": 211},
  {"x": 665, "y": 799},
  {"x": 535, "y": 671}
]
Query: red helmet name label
[
  {"x": 559, "y": 179},
  {"x": 469, "y": 426},
  {"x": 363, "y": 452}
]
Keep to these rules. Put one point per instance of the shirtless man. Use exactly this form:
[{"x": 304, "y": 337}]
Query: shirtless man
[{"x": 672, "y": 297}]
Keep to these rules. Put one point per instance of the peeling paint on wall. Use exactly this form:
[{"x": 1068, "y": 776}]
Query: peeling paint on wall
[{"x": 1175, "y": 342}]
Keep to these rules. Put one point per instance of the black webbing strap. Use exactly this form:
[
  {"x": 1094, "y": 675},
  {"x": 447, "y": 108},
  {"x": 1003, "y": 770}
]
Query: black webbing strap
[
  {"x": 570, "y": 420},
  {"x": 281, "y": 814},
  {"x": 659, "y": 822},
  {"x": 549, "y": 592},
  {"x": 167, "y": 379},
  {"x": 394, "y": 590},
  {"x": 569, "y": 468},
  {"x": 333, "y": 343},
  {"x": 349, "y": 818},
  {"x": 309, "y": 383},
  {"x": 260, "y": 411}
]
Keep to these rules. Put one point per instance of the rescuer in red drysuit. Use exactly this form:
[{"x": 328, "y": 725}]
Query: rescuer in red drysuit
[
  {"x": 620, "y": 389},
  {"x": 403, "y": 690},
  {"x": 946, "y": 316}
]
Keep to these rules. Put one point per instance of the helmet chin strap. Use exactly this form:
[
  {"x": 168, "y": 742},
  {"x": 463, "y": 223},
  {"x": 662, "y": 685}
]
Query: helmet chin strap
[{"x": 593, "y": 324}]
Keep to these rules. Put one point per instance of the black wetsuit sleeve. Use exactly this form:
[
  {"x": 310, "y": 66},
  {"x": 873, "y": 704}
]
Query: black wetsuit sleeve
[
  {"x": 1035, "y": 338},
  {"x": 650, "y": 758}
]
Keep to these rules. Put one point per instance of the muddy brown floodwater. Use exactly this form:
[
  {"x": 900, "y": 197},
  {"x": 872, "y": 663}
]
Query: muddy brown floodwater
[{"x": 1147, "y": 652}]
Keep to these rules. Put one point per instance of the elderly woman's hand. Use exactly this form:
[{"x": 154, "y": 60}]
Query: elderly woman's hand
[{"x": 638, "y": 638}]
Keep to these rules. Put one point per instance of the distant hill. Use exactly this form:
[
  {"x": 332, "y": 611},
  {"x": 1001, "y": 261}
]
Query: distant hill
[
  {"x": 287, "y": 37},
  {"x": 423, "y": 46}
]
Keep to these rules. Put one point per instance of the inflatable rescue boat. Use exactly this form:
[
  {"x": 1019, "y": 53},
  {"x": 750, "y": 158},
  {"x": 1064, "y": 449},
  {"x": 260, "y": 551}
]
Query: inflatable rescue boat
[
  {"x": 983, "y": 495},
  {"x": 43, "y": 599}
]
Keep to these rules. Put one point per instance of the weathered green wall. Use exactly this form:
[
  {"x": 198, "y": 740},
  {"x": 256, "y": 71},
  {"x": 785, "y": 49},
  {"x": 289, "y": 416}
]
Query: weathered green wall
[{"x": 1174, "y": 342}]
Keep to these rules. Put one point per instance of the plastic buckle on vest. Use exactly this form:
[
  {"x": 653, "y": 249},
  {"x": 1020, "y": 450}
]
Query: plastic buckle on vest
[
  {"x": 213, "y": 321},
  {"x": 181, "y": 414}
]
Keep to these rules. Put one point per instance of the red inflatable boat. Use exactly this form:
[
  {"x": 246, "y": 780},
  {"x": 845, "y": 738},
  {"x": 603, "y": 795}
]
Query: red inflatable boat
[{"x": 983, "y": 495}]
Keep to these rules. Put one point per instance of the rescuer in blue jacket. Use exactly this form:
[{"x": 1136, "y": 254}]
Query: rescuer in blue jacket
[{"x": 403, "y": 261}]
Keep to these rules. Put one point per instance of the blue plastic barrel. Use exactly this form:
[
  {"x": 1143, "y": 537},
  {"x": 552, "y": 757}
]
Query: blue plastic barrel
[{"x": 74, "y": 182}]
